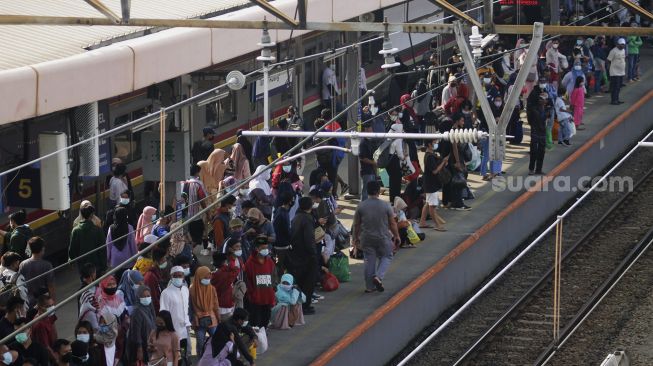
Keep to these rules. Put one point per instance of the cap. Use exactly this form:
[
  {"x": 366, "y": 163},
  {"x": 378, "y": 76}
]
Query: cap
[
  {"x": 621, "y": 41},
  {"x": 235, "y": 222},
  {"x": 150, "y": 238},
  {"x": 452, "y": 78},
  {"x": 176, "y": 269},
  {"x": 207, "y": 131}
]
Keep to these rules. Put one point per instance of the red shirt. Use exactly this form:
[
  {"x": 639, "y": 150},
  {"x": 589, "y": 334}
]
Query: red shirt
[
  {"x": 258, "y": 278},
  {"x": 152, "y": 280},
  {"x": 223, "y": 282},
  {"x": 44, "y": 332}
]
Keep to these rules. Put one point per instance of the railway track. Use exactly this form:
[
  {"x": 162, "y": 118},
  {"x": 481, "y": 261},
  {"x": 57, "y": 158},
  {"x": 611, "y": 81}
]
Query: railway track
[{"x": 512, "y": 323}]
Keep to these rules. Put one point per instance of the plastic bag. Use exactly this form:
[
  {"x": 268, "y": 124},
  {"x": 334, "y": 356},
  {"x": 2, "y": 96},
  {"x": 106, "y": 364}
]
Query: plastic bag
[
  {"x": 330, "y": 282},
  {"x": 418, "y": 230},
  {"x": 385, "y": 178},
  {"x": 339, "y": 266},
  {"x": 572, "y": 128},
  {"x": 261, "y": 340},
  {"x": 412, "y": 235},
  {"x": 475, "y": 161}
]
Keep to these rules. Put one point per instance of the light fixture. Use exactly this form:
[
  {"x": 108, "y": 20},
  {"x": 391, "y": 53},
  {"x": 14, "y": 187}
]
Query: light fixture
[
  {"x": 476, "y": 41},
  {"x": 267, "y": 44},
  {"x": 213, "y": 99},
  {"x": 388, "y": 51}
]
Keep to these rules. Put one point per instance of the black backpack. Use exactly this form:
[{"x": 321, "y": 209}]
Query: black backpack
[{"x": 382, "y": 154}]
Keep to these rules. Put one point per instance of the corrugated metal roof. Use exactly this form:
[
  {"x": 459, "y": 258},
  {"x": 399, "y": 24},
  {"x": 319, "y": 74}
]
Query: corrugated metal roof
[{"x": 22, "y": 45}]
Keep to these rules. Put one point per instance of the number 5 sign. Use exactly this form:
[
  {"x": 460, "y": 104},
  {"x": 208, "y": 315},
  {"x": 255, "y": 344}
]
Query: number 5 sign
[{"x": 24, "y": 189}]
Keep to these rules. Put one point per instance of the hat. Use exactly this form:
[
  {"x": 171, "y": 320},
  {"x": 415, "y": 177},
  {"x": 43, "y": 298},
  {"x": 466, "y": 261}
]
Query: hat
[
  {"x": 621, "y": 41},
  {"x": 150, "y": 238},
  {"x": 208, "y": 131},
  {"x": 176, "y": 269},
  {"x": 452, "y": 78},
  {"x": 235, "y": 222}
]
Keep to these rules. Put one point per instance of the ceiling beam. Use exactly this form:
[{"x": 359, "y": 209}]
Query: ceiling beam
[
  {"x": 227, "y": 24},
  {"x": 104, "y": 10},
  {"x": 636, "y": 8},
  {"x": 276, "y": 12},
  {"x": 566, "y": 30},
  {"x": 456, "y": 12}
]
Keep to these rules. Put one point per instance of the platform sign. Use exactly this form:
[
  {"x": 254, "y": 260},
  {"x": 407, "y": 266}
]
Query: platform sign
[
  {"x": 105, "y": 143},
  {"x": 177, "y": 155},
  {"x": 277, "y": 83},
  {"x": 520, "y": 2},
  {"x": 24, "y": 188}
]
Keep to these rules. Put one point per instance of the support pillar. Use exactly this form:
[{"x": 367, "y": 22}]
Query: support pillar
[{"x": 352, "y": 62}]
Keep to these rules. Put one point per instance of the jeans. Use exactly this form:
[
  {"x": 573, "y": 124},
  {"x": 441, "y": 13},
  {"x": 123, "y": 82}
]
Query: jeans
[
  {"x": 485, "y": 155},
  {"x": 366, "y": 179},
  {"x": 538, "y": 148},
  {"x": 373, "y": 251},
  {"x": 200, "y": 334},
  {"x": 565, "y": 131},
  {"x": 633, "y": 59},
  {"x": 615, "y": 87},
  {"x": 597, "y": 80}
]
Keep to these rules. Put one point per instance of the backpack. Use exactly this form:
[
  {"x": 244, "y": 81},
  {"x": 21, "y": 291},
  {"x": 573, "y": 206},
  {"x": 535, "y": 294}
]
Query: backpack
[
  {"x": 8, "y": 289},
  {"x": 382, "y": 154}
]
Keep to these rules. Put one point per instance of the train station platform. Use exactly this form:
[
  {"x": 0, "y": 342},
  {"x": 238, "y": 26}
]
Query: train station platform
[{"x": 352, "y": 327}]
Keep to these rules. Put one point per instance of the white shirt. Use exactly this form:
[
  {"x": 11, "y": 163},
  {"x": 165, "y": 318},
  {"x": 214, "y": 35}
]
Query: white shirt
[
  {"x": 447, "y": 93},
  {"x": 617, "y": 60},
  {"x": 559, "y": 106},
  {"x": 329, "y": 80},
  {"x": 175, "y": 300},
  {"x": 116, "y": 187}
]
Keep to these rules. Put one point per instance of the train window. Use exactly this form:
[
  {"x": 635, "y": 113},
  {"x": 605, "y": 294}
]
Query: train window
[
  {"x": 127, "y": 145},
  {"x": 226, "y": 109},
  {"x": 310, "y": 71}
]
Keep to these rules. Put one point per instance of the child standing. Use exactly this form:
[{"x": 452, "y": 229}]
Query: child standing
[
  {"x": 577, "y": 103},
  {"x": 260, "y": 289}
]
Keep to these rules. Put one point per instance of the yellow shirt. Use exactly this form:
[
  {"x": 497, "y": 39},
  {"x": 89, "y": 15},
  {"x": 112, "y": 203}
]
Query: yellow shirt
[{"x": 143, "y": 265}]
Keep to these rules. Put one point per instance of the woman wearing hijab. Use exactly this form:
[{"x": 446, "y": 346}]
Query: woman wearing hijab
[
  {"x": 84, "y": 333},
  {"x": 398, "y": 156},
  {"x": 204, "y": 302},
  {"x": 163, "y": 343},
  {"x": 240, "y": 162},
  {"x": 96, "y": 220},
  {"x": 129, "y": 283},
  {"x": 141, "y": 325},
  {"x": 216, "y": 167},
  {"x": 145, "y": 223},
  {"x": 260, "y": 191},
  {"x": 109, "y": 337},
  {"x": 108, "y": 297},
  {"x": 288, "y": 311},
  {"x": 124, "y": 245}
]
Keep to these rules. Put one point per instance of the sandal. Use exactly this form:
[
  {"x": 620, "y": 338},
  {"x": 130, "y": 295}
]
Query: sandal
[
  {"x": 439, "y": 229},
  {"x": 425, "y": 226}
]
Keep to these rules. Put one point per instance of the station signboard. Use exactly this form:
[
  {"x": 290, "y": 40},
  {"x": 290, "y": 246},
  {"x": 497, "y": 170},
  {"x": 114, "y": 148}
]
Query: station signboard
[
  {"x": 24, "y": 188},
  {"x": 277, "y": 83}
]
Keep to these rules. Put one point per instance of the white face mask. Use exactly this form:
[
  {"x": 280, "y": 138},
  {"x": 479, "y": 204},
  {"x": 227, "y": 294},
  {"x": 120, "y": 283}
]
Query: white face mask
[
  {"x": 287, "y": 168},
  {"x": 555, "y": 46},
  {"x": 83, "y": 338},
  {"x": 205, "y": 281},
  {"x": 466, "y": 112},
  {"x": 487, "y": 80},
  {"x": 315, "y": 205},
  {"x": 285, "y": 287},
  {"x": 238, "y": 253},
  {"x": 7, "y": 359},
  {"x": 177, "y": 282},
  {"x": 577, "y": 68},
  {"x": 498, "y": 104},
  {"x": 543, "y": 86},
  {"x": 124, "y": 201},
  {"x": 400, "y": 115}
]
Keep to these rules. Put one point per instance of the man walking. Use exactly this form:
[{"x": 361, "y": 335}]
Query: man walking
[
  {"x": 375, "y": 231},
  {"x": 617, "y": 59}
]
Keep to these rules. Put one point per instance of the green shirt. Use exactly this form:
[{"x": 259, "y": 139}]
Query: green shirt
[
  {"x": 85, "y": 237},
  {"x": 634, "y": 44}
]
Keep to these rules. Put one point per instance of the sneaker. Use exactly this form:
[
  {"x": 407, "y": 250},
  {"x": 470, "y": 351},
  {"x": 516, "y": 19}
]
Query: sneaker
[
  {"x": 567, "y": 142},
  {"x": 561, "y": 143},
  {"x": 378, "y": 284},
  {"x": 205, "y": 252},
  {"x": 463, "y": 208},
  {"x": 531, "y": 172},
  {"x": 314, "y": 301},
  {"x": 308, "y": 310},
  {"x": 318, "y": 296}
]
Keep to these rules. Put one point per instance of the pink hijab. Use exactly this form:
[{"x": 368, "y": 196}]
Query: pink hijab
[
  {"x": 241, "y": 165},
  {"x": 217, "y": 165},
  {"x": 144, "y": 226}
]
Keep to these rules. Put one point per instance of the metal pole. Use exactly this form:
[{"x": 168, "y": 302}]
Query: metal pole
[
  {"x": 488, "y": 16},
  {"x": 462, "y": 135},
  {"x": 646, "y": 144},
  {"x": 353, "y": 75},
  {"x": 162, "y": 152},
  {"x": 266, "y": 107},
  {"x": 555, "y": 12},
  {"x": 556, "y": 280}
]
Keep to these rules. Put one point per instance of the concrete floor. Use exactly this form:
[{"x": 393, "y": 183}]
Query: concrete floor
[{"x": 342, "y": 310}]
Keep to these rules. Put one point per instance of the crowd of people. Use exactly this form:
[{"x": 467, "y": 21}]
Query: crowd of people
[{"x": 276, "y": 239}]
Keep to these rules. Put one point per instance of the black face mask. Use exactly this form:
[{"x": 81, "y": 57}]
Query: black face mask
[
  {"x": 110, "y": 290},
  {"x": 67, "y": 357}
]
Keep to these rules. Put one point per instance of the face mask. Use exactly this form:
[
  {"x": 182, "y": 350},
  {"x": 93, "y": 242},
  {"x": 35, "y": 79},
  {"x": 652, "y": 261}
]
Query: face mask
[
  {"x": 315, "y": 205},
  {"x": 393, "y": 117},
  {"x": 264, "y": 252},
  {"x": 146, "y": 301},
  {"x": 238, "y": 253},
  {"x": 332, "y": 67},
  {"x": 287, "y": 168},
  {"x": 400, "y": 115},
  {"x": 498, "y": 104},
  {"x": 487, "y": 80},
  {"x": 177, "y": 282},
  {"x": 85, "y": 358},
  {"x": 163, "y": 265},
  {"x": 243, "y": 192},
  {"x": 83, "y": 338},
  {"x": 577, "y": 68},
  {"x": 124, "y": 201},
  {"x": 110, "y": 291},
  {"x": 21, "y": 337},
  {"x": 186, "y": 272},
  {"x": 154, "y": 218},
  {"x": 467, "y": 112},
  {"x": 435, "y": 146},
  {"x": 67, "y": 357},
  {"x": 542, "y": 86},
  {"x": 7, "y": 359},
  {"x": 245, "y": 323},
  {"x": 285, "y": 287},
  {"x": 205, "y": 281},
  {"x": 555, "y": 46},
  {"x": 579, "y": 42}
]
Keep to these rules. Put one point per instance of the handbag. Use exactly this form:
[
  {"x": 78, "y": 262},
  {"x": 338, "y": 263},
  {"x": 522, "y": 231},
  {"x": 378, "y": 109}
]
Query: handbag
[
  {"x": 330, "y": 282},
  {"x": 458, "y": 180}
]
